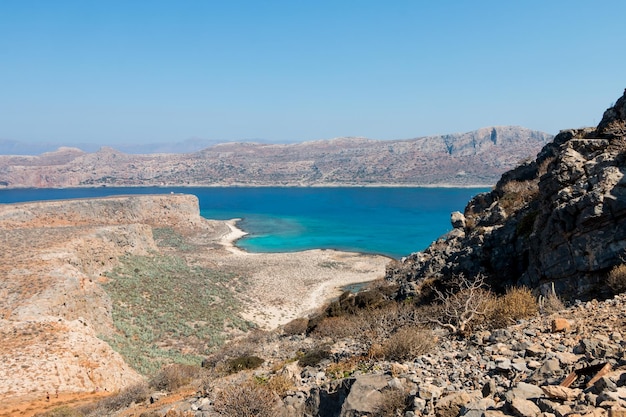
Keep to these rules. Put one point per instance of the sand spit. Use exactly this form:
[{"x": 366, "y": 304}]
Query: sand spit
[{"x": 284, "y": 286}]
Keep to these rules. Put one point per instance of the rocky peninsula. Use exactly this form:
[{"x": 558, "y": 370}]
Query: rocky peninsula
[{"x": 58, "y": 311}]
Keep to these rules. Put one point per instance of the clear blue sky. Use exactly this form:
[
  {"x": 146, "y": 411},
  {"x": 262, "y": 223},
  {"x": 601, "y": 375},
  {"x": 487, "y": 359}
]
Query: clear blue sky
[{"x": 133, "y": 71}]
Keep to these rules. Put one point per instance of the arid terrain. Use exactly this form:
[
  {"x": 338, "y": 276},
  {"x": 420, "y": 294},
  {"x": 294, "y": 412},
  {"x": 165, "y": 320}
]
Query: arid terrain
[
  {"x": 62, "y": 282},
  {"x": 463, "y": 159}
]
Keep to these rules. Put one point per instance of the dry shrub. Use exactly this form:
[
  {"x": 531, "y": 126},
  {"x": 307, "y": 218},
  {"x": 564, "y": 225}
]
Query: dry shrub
[
  {"x": 245, "y": 400},
  {"x": 279, "y": 385},
  {"x": 407, "y": 343},
  {"x": 337, "y": 327},
  {"x": 518, "y": 303},
  {"x": 617, "y": 279},
  {"x": 393, "y": 402},
  {"x": 175, "y": 376},
  {"x": 134, "y": 394},
  {"x": 296, "y": 326}
]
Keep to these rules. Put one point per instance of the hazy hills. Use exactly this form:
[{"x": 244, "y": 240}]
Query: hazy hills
[{"x": 473, "y": 158}]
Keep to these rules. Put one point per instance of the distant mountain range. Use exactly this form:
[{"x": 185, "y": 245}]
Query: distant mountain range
[{"x": 460, "y": 159}]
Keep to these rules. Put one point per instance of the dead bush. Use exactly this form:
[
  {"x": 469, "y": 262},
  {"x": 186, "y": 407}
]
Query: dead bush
[
  {"x": 464, "y": 305},
  {"x": 392, "y": 403},
  {"x": 550, "y": 303},
  {"x": 518, "y": 303},
  {"x": 407, "y": 343},
  {"x": 617, "y": 279},
  {"x": 245, "y": 400}
]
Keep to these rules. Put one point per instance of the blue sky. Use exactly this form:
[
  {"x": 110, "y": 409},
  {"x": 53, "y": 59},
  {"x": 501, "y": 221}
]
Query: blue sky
[{"x": 119, "y": 72}]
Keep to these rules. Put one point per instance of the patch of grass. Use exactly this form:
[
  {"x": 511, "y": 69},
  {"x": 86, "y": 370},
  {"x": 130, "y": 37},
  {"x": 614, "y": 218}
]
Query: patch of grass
[{"x": 166, "y": 311}]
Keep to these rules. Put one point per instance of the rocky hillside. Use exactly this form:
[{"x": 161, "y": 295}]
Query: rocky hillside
[
  {"x": 558, "y": 220},
  {"x": 474, "y": 158}
]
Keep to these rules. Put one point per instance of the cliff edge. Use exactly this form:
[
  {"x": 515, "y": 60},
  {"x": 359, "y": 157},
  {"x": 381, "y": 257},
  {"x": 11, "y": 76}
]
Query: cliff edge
[{"x": 556, "y": 221}]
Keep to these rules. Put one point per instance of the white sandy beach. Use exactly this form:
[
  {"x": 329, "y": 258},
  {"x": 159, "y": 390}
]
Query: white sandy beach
[{"x": 284, "y": 286}]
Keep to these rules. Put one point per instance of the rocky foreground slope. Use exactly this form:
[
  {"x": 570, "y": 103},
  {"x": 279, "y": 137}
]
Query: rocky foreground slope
[
  {"x": 559, "y": 220},
  {"x": 474, "y": 158}
]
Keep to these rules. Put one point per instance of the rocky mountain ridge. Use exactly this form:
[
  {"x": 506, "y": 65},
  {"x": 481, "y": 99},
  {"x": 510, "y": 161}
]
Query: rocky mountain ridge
[
  {"x": 474, "y": 158},
  {"x": 558, "y": 221}
]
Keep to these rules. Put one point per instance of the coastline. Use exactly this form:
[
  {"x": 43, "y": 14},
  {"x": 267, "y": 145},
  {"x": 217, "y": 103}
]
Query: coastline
[{"x": 289, "y": 285}]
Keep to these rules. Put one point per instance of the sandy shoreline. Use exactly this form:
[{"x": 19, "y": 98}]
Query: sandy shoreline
[{"x": 284, "y": 286}]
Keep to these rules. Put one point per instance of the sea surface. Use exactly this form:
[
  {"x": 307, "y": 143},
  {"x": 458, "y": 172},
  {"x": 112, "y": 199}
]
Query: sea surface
[{"x": 388, "y": 221}]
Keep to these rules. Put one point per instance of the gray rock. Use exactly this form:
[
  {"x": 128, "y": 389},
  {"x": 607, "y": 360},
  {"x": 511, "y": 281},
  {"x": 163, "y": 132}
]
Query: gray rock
[{"x": 524, "y": 408}]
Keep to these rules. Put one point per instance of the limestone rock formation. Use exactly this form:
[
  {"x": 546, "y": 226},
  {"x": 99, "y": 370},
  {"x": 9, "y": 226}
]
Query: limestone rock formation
[
  {"x": 473, "y": 158},
  {"x": 558, "y": 220}
]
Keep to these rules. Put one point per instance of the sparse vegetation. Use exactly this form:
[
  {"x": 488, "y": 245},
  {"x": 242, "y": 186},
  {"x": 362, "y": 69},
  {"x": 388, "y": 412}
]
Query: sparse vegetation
[
  {"x": 168, "y": 237},
  {"x": 161, "y": 304},
  {"x": 393, "y": 403}
]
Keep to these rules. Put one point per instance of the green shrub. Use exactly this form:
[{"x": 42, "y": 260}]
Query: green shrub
[
  {"x": 313, "y": 357},
  {"x": 242, "y": 363}
]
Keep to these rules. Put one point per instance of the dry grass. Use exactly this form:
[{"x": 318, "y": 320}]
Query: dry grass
[{"x": 518, "y": 303}]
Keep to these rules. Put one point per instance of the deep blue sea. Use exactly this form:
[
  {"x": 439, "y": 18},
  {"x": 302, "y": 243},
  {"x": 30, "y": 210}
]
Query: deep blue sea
[{"x": 389, "y": 221}]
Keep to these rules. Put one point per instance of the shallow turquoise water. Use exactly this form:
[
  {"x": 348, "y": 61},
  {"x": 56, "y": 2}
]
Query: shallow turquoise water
[{"x": 389, "y": 221}]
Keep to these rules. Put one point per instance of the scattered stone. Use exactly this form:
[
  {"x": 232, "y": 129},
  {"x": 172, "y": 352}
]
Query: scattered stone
[{"x": 561, "y": 325}]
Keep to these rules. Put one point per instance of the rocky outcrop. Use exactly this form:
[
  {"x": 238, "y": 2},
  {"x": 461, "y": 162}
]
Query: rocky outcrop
[
  {"x": 473, "y": 158},
  {"x": 518, "y": 371},
  {"x": 558, "y": 220}
]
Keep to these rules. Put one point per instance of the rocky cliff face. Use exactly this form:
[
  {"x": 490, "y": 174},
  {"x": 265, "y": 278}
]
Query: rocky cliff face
[
  {"x": 474, "y": 158},
  {"x": 558, "y": 220}
]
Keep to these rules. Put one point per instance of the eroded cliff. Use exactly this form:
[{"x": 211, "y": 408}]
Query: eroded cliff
[{"x": 558, "y": 220}]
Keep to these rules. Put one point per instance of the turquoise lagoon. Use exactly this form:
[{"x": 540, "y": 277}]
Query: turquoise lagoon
[{"x": 387, "y": 220}]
